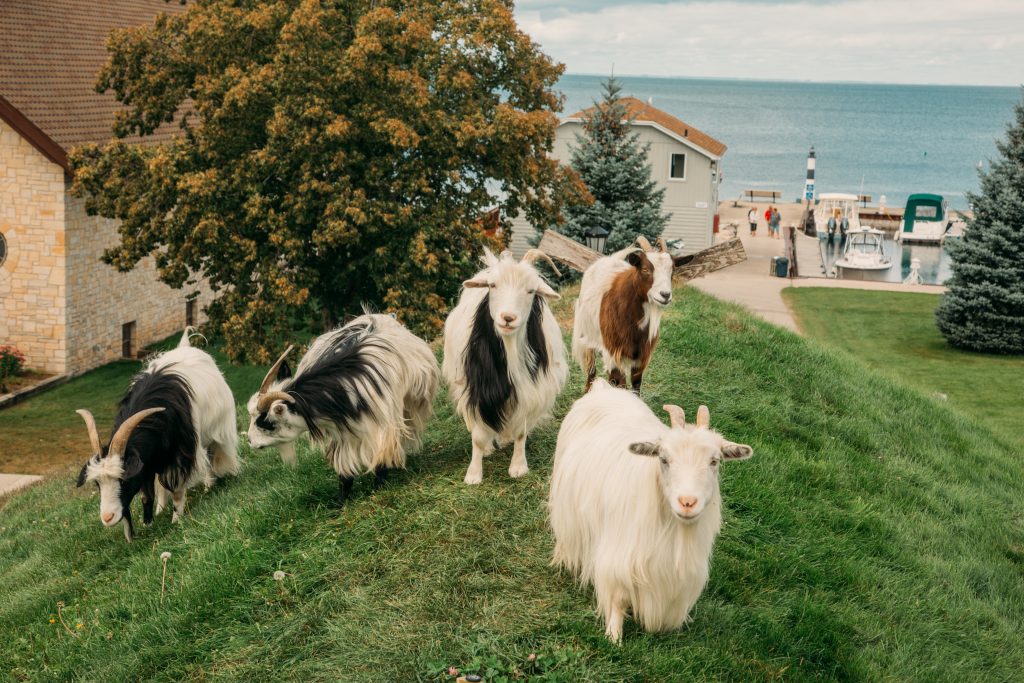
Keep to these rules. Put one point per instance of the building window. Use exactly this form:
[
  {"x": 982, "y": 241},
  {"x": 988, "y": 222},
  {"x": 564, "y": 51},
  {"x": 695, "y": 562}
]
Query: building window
[
  {"x": 678, "y": 168},
  {"x": 128, "y": 340},
  {"x": 3, "y": 248},
  {"x": 190, "y": 313}
]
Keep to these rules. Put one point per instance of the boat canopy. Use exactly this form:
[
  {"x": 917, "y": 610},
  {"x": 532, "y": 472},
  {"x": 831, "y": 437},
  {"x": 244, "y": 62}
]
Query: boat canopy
[
  {"x": 923, "y": 208},
  {"x": 843, "y": 196}
]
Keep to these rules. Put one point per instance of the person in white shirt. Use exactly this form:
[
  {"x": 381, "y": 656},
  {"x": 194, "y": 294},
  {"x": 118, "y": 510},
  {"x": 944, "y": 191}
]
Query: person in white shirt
[{"x": 752, "y": 219}]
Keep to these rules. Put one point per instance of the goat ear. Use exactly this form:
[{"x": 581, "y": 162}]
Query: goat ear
[
  {"x": 81, "y": 475},
  {"x": 132, "y": 467},
  {"x": 635, "y": 259},
  {"x": 475, "y": 283},
  {"x": 736, "y": 451},
  {"x": 284, "y": 372},
  {"x": 545, "y": 291},
  {"x": 649, "y": 448}
]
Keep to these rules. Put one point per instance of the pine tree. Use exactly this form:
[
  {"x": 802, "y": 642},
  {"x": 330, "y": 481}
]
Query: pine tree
[
  {"x": 983, "y": 309},
  {"x": 612, "y": 163}
]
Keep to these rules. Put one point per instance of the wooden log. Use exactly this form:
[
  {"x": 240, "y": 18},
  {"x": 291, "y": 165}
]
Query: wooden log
[{"x": 579, "y": 257}]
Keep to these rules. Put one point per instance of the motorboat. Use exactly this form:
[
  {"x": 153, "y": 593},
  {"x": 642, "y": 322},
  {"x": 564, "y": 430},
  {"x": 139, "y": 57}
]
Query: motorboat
[
  {"x": 864, "y": 251},
  {"x": 925, "y": 220},
  {"x": 837, "y": 206}
]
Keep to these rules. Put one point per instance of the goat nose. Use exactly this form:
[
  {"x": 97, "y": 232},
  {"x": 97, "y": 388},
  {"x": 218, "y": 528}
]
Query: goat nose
[
  {"x": 687, "y": 502},
  {"x": 107, "y": 517},
  {"x": 509, "y": 317},
  {"x": 666, "y": 295}
]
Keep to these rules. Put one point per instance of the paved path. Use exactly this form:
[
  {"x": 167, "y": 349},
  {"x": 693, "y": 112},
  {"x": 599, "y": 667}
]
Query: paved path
[
  {"x": 13, "y": 482},
  {"x": 750, "y": 284}
]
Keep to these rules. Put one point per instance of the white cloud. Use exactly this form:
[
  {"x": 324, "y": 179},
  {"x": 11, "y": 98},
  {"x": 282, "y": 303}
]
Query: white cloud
[{"x": 894, "y": 41}]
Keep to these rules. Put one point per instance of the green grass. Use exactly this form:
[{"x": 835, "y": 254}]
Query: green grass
[
  {"x": 876, "y": 535},
  {"x": 895, "y": 332}
]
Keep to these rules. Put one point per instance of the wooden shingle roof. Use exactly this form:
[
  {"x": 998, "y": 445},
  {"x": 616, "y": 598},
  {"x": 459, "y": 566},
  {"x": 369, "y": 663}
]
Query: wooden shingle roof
[
  {"x": 641, "y": 112},
  {"x": 50, "y": 54}
]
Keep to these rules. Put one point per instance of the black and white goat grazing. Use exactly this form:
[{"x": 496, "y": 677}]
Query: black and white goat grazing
[
  {"x": 504, "y": 358},
  {"x": 175, "y": 411},
  {"x": 364, "y": 392},
  {"x": 618, "y": 312}
]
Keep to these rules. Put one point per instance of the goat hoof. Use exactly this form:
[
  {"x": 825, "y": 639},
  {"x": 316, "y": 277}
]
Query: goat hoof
[
  {"x": 517, "y": 472},
  {"x": 473, "y": 478}
]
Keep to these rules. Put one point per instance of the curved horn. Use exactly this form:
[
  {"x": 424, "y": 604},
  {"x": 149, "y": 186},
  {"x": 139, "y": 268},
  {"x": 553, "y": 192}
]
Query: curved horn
[
  {"x": 663, "y": 245},
  {"x": 703, "y": 417},
  {"x": 643, "y": 243},
  {"x": 272, "y": 373},
  {"x": 120, "y": 438},
  {"x": 90, "y": 424},
  {"x": 264, "y": 402},
  {"x": 676, "y": 415},
  {"x": 533, "y": 254}
]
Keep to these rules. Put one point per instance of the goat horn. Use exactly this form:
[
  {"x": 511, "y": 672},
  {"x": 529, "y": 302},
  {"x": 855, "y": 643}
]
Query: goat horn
[
  {"x": 663, "y": 245},
  {"x": 120, "y": 438},
  {"x": 533, "y": 254},
  {"x": 703, "y": 417},
  {"x": 272, "y": 373},
  {"x": 90, "y": 424},
  {"x": 264, "y": 402},
  {"x": 643, "y": 243},
  {"x": 675, "y": 415}
]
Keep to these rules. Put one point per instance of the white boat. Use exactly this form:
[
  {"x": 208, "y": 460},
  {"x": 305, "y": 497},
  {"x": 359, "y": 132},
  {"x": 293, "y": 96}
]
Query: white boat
[
  {"x": 838, "y": 206},
  {"x": 925, "y": 219},
  {"x": 864, "y": 251}
]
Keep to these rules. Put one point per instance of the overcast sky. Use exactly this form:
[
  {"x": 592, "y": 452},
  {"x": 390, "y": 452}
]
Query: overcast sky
[{"x": 973, "y": 42}]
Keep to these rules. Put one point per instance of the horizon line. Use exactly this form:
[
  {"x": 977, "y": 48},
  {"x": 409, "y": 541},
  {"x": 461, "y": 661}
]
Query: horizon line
[{"x": 795, "y": 80}]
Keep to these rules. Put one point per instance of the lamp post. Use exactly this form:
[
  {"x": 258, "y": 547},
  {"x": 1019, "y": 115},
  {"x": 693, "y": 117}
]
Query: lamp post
[{"x": 596, "y": 238}]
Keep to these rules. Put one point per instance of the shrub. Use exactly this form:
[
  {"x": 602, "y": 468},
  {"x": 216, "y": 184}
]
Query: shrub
[{"x": 12, "y": 361}]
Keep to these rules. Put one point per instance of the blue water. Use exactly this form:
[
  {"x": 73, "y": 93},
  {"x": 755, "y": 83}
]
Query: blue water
[{"x": 880, "y": 139}]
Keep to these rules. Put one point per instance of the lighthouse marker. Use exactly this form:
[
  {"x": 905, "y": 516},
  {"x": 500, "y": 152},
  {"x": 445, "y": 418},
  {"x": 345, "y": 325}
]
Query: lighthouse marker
[{"x": 809, "y": 183}]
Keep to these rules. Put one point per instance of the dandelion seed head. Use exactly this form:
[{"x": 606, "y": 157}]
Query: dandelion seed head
[
  {"x": 279, "y": 575},
  {"x": 165, "y": 556}
]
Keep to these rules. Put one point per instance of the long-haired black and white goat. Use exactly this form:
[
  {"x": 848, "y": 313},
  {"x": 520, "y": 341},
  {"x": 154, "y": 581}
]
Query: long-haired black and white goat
[
  {"x": 504, "y": 358},
  {"x": 635, "y": 506},
  {"x": 618, "y": 312},
  {"x": 175, "y": 427},
  {"x": 364, "y": 392}
]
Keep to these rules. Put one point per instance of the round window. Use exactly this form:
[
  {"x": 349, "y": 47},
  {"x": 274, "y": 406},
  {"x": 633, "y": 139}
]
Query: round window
[{"x": 3, "y": 248}]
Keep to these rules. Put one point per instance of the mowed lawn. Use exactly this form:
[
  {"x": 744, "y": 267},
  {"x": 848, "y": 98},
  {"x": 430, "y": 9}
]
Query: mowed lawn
[
  {"x": 895, "y": 332},
  {"x": 876, "y": 535}
]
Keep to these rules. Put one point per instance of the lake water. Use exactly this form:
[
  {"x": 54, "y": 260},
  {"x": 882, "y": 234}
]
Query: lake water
[
  {"x": 935, "y": 262},
  {"x": 870, "y": 138}
]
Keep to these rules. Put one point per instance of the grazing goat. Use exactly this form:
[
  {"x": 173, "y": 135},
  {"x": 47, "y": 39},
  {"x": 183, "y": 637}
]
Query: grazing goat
[
  {"x": 364, "y": 392},
  {"x": 635, "y": 505},
  {"x": 175, "y": 410},
  {"x": 619, "y": 311},
  {"x": 504, "y": 358}
]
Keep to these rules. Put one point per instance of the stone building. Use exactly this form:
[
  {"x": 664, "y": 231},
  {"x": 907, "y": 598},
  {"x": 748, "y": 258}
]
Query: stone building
[
  {"x": 684, "y": 161},
  {"x": 59, "y": 304}
]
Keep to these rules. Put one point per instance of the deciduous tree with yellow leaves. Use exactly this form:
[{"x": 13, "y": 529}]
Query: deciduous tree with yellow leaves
[{"x": 330, "y": 155}]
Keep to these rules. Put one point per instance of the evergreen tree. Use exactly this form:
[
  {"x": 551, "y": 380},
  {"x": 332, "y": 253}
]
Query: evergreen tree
[
  {"x": 612, "y": 163},
  {"x": 983, "y": 309}
]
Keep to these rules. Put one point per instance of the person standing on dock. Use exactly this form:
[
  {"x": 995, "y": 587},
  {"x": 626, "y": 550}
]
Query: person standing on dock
[
  {"x": 773, "y": 223},
  {"x": 752, "y": 219}
]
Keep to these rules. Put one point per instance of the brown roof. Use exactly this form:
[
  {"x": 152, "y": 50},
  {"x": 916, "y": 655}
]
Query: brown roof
[
  {"x": 50, "y": 54},
  {"x": 642, "y": 112}
]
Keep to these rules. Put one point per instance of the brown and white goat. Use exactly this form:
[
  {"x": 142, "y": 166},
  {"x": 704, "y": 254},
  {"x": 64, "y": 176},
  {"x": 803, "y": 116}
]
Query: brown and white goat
[{"x": 618, "y": 312}]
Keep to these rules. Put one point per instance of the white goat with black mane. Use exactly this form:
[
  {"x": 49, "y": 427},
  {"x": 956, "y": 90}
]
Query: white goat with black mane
[
  {"x": 176, "y": 414},
  {"x": 504, "y": 358},
  {"x": 364, "y": 392},
  {"x": 635, "y": 506}
]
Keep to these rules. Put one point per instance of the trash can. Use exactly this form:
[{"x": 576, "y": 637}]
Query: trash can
[{"x": 779, "y": 266}]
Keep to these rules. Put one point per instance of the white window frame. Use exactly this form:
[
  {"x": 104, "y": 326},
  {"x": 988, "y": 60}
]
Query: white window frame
[{"x": 686, "y": 164}]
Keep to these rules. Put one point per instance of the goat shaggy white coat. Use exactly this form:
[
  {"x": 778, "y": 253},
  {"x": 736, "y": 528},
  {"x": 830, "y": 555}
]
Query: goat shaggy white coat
[
  {"x": 635, "y": 506},
  {"x": 504, "y": 358}
]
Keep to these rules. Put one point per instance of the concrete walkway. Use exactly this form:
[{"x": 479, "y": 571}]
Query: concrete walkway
[
  {"x": 12, "y": 482},
  {"x": 750, "y": 284}
]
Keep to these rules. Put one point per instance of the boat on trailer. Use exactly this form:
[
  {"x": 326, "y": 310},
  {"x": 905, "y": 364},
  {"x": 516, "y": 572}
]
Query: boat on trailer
[
  {"x": 925, "y": 219},
  {"x": 864, "y": 251}
]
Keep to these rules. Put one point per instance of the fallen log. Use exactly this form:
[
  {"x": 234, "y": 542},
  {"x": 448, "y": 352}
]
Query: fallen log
[{"x": 578, "y": 257}]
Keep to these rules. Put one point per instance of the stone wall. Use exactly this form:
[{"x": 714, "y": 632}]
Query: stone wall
[
  {"x": 32, "y": 278},
  {"x": 101, "y": 299}
]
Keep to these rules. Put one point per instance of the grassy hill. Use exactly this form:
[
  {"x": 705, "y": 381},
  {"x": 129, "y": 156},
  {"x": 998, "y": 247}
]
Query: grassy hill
[{"x": 877, "y": 535}]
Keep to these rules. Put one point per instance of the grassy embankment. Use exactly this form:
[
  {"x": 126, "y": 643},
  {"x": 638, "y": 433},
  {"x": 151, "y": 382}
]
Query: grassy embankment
[
  {"x": 876, "y": 535},
  {"x": 895, "y": 332}
]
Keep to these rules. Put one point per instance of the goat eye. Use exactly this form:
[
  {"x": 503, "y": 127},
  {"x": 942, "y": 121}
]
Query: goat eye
[
  {"x": 662, "y": 460},
  {"x": 531, "y": 292},
  {"x": 714, "y": 462},
  {"x": 490, "y": 285}
]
